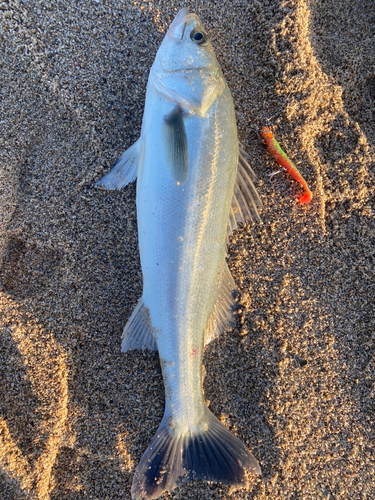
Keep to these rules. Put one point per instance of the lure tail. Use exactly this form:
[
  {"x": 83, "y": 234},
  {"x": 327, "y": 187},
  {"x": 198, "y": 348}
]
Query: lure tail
[
  {"x": 307, "y": 197},
  {"x": 172, "y": 458}
]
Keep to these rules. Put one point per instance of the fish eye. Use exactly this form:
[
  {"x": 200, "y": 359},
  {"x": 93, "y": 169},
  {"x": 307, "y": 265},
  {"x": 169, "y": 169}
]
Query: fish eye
[{"x": 198, "y": 37}]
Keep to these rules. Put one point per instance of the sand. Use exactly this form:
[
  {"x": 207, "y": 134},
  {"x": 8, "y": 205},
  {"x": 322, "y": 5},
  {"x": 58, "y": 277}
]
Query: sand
[{"x": 295, "y": 378}]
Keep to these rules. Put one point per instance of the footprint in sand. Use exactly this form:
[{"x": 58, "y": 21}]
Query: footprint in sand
[{"x": 33, "y": 430}]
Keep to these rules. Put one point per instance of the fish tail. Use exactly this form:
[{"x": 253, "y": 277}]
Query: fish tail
[{"x": 215, "y": 455}]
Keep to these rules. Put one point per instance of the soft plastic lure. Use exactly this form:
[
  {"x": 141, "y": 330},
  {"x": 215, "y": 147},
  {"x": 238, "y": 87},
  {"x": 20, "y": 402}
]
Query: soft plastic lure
[{"x": 274, "y": 148}]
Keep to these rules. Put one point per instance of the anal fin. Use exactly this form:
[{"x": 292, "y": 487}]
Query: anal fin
[{"x": 137, "y": 333}]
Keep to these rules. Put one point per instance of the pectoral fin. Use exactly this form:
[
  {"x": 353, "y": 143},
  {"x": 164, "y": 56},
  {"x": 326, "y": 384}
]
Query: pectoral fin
[
  {"x": 125, "y": 168},
  {"x": 176, "y": 143}
]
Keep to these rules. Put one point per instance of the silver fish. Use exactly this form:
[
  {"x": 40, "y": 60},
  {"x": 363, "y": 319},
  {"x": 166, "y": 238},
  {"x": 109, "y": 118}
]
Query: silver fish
[{"x": 194, "y": 185}]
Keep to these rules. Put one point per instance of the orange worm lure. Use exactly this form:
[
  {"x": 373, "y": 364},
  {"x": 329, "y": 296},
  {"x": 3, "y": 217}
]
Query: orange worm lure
[{"x": 274, "y": 148}]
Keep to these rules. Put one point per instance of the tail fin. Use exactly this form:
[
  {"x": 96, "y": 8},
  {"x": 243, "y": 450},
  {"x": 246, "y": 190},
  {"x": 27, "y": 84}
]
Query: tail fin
[{"x": 214, "y": 455}]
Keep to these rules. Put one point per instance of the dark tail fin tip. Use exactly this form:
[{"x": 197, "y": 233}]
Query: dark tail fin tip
[{"x": 216, "y": 455}]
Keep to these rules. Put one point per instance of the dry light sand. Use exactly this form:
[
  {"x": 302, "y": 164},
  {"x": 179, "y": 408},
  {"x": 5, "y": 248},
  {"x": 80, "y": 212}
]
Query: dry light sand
[{"x": 295, "y": 379}]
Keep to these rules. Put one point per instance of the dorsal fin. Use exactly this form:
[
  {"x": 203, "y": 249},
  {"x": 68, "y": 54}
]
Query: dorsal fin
[{"x": 245, "y": 201}]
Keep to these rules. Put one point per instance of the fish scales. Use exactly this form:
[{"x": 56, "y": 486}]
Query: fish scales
[
  {"x": 186, "y": 229},
  {"x": 190, "y": 182}
]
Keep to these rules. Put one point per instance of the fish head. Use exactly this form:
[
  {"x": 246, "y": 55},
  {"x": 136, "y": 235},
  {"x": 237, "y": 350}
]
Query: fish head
[
  {"x": 185, "y": 68},
  {"x": 186, "y": 45}
]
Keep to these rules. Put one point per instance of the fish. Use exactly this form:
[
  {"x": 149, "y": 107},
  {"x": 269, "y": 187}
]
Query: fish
[{"x": 194, "y": 185}]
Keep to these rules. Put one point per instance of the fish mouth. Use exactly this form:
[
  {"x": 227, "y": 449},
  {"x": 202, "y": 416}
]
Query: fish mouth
[
  {"x": 184, "y": 70},
  {"x": 179, "y": 18},
  {"x": 178, "y": 25}
]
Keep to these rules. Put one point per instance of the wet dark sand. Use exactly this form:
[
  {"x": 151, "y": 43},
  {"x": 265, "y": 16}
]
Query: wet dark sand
[{"x": 295, "y": 379}]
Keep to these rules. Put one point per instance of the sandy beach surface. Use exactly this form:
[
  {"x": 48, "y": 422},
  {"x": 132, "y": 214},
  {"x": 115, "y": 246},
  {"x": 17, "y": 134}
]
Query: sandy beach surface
[{"x": 295, "y": 379}]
